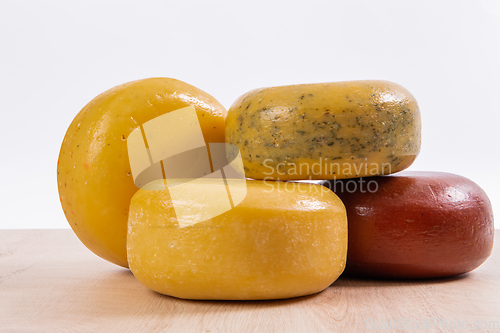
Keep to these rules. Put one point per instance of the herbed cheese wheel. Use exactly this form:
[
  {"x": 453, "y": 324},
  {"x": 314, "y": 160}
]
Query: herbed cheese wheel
[
  {"x": 283, "y": 240},
  {"x": 415, "y": 225},
  {"x": 326, "y": 130},
  {"x": 93, "y": 171}
]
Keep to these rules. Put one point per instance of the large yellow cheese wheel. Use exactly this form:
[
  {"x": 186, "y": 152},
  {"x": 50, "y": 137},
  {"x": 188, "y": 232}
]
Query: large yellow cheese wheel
[
  {"x": 283, "y": 240},
  {"x": 325, "y": 131},
  {"x": 93, "y": 171}
]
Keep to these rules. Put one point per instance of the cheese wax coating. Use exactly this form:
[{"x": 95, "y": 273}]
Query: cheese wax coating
[
  {"x": 415, "y": 225},
  {"x": 325, "y": 130},
  {"x": 93, "y": 171},
  {"x": 283, "y": 240}
]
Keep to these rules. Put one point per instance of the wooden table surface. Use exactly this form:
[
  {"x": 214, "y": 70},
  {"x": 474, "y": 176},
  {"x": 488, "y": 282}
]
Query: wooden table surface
[{"x": 49, "y": 282}]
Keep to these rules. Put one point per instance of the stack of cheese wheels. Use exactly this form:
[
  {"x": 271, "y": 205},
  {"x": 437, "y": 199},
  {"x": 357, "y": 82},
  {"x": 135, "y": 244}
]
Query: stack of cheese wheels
[
  {"x": 283, "y": 238},
  {"x": 417, "y": 225},
  {"x": 276, "y": 243}
]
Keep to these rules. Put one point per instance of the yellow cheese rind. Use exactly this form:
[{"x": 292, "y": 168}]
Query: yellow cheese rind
[
  {"x": 325, "y": 131},
  {"x": 93, "y": 173},
  {"x": 283, "y": 240}
]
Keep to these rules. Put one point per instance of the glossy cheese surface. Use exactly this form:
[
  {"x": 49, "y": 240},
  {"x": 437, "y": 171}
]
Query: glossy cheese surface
[
  {"x": 277, "y": 243},
  {"x": 93, "y": 171},
  {"x": 415, "y": 225},
  {"x": 326, "y": 130}
]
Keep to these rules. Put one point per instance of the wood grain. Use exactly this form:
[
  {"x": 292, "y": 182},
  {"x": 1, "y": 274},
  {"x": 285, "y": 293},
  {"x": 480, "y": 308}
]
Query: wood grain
[{"x": 49, "y": 282}]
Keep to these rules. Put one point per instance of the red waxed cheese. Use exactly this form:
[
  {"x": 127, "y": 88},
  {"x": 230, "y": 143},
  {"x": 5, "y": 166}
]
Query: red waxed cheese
[{"x": 415, "y": 225}]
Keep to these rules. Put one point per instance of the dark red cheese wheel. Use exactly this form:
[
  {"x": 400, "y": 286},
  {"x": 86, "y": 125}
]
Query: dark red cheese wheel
[{"x": 415, "y": 225}]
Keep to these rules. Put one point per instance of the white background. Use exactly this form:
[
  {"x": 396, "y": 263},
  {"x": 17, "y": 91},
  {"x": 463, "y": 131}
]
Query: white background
[{"x": 55, "y": 56}]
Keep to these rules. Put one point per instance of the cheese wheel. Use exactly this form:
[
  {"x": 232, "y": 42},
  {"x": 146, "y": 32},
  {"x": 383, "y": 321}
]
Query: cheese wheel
[
  {"x": 325, "y": 131},
  {"x": 415, "y": 225},
  {"x": 283, "y": 240},
  {"x": 93, "y": 170}
]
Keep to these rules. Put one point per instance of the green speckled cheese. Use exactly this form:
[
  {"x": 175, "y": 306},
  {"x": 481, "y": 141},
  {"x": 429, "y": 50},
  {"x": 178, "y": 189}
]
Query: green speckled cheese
[{"x": 325, "y": 130}]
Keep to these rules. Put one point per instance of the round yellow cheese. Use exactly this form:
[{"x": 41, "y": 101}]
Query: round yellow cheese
[
  {"x": 93, "y": 171},
  {"x": 282, "y": 240}
]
